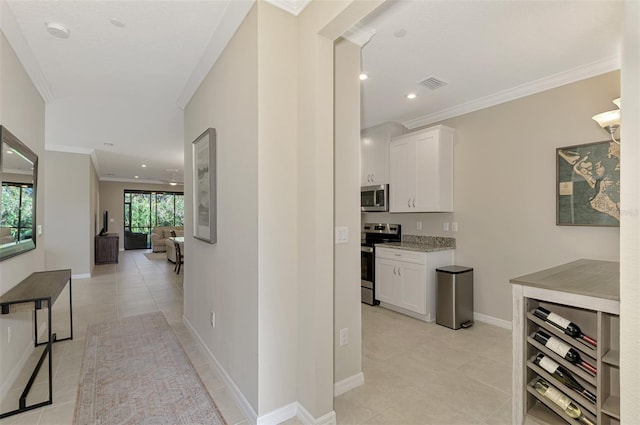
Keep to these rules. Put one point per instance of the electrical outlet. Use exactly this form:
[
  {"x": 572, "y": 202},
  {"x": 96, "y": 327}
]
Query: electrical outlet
[
  {"x": 454, "y": 226},
  {"x": 344, "y": 336},
  {"x": 445, "y": 226},
  {"x": 213, "y": 319},
  {"x": 419, "y": 225},
  {"x": 9, "y": 334},
  {"x": 342, "y": 234}
]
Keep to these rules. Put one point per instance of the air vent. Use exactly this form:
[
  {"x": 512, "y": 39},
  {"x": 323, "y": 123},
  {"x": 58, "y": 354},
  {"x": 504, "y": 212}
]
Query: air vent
[{"x": 432, "y": 83}]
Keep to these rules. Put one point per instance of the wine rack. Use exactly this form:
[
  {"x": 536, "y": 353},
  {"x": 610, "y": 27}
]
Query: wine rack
[{"x": 598, "y": 317}]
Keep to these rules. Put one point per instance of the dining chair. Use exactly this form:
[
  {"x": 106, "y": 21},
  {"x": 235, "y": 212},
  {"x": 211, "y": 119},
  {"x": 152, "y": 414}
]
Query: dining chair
[{"x": 179, "y": 257}]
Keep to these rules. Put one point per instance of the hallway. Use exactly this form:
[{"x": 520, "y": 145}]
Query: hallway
[{"x": 135, "y": 285}]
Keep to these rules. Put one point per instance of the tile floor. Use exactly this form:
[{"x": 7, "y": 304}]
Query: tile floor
[{"x": 415, "y": 372}]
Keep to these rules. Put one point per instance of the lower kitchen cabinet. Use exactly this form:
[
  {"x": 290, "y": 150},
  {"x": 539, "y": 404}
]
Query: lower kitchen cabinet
[{"x": 406, "y": 280}]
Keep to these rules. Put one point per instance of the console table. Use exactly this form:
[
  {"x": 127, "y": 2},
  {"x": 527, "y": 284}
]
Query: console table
[{"x": 39, "y": 290}]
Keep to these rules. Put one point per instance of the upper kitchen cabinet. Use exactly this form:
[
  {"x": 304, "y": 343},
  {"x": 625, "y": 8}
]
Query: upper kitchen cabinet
[
  {"x": 421, "y": 171},
  {"x": 374, "y": 152}
]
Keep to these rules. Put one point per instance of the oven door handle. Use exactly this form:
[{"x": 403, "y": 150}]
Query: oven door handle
[{"x": 366, "y": 249}]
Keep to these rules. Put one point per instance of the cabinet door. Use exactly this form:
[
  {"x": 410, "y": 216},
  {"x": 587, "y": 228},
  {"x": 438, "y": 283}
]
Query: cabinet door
[
  {"x": 413, "y": 284},
  {"x": 387, "y": 284},
  {"x": 401, "y": 161},
  {"x": 426, "y": 178}
]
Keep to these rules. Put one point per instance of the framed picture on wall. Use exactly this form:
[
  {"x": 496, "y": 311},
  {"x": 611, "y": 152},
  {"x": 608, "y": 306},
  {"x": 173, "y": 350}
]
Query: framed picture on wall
[
  {"x": 204, "y": 187},
  {"x": 588, "y": 184}
]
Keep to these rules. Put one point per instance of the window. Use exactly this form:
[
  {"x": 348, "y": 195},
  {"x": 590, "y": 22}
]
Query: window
[
  {"x": 144, "y": 210},
  {"x": 16, "y": 220}
]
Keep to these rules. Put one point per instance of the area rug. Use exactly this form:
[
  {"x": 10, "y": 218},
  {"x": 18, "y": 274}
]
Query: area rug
[
  {"x": 156, "y": 256},
  {"x": 134, "y": 371}
]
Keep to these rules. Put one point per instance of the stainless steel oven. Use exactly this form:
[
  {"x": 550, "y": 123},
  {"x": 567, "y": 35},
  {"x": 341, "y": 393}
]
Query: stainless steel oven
[{"x": 373, "y": 233}]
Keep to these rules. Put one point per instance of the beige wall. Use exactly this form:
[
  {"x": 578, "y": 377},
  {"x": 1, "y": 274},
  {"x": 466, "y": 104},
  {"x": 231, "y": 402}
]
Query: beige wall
[
  {"x": 22, "y": 112},
  {"x": 630, "y": 226},
  {"x": 111, "y": 198},
  {"x": 224, "y": 277},
  {"x": 347, "y": 305},
  {"x": 68, "y": 217},
  {"x": 277, "y": 219}
]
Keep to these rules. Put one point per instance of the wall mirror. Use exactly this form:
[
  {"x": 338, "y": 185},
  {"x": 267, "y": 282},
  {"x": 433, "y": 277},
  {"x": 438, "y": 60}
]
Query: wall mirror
[{"x": 19, "y": 175}]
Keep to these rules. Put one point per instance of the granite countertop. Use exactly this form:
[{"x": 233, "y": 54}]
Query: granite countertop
[
  {"x": 594, "y": 278},
  {"x": 421, "y": 243}
]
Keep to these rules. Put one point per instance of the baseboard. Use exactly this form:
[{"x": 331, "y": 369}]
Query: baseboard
[
  {"x": 347, "y": 384},
  {"x": 279, "y": 415},
  {"x": 233, "y": 388},
  {"x": 493, "y": 321},
  {"x": 308, "y": 419},
  {"x": 81, "y": 276}
]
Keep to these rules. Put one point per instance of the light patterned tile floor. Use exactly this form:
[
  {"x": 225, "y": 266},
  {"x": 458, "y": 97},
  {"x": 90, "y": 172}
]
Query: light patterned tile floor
[
  {"x": 415, "y": 373},
  {"x": 134, "y": 286}
]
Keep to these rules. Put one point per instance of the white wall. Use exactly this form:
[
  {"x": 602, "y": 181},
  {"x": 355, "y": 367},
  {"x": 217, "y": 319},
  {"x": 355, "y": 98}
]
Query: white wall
[
  {"x": 504, "y": 189},
  {"x": 224, "y": 277},
  {"x": 630, "y": 226},
  {"x": 22, "y": 112},
  {"x": 347, "y": 305},
  {"x": 68, "y": 218}
]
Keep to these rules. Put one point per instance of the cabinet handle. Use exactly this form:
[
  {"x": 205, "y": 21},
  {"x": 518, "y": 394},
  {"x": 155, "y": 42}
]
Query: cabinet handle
[
  {"x": 399, "y": 274},
  {"x": 414, "y": 202},
  {"x": 394, "y": 270},
  {"x": 372, "y": 178},
  {"x": 409, "y": 203}
]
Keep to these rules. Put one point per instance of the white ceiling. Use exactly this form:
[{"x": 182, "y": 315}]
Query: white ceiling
[{"x": 127, "y": 86}]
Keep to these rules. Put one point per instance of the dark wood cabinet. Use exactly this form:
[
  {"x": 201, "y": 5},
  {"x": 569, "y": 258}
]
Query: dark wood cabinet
[{"x": 107, "y": 247}]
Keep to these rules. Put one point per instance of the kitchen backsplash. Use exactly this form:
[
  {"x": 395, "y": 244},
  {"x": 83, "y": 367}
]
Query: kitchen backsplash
[{"x": 439, "y": 241}]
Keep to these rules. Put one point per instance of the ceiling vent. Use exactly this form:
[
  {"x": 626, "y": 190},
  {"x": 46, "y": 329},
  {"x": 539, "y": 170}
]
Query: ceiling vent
[{"x": 432, "y": 83}]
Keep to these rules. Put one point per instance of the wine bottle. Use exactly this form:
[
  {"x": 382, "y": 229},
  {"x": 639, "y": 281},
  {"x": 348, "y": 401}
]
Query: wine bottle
[
  {"x": 564, "y": 350},
  {"x": 564, "y": 325},
  {"x": 564, "y": 402},
  {"x": 563, "y": 375}
]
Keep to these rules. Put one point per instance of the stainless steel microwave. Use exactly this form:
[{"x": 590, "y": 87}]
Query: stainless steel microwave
[{"x": 374, "y": 198}]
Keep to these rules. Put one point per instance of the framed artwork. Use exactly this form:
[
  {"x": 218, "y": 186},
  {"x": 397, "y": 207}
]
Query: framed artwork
[
  {"x": 588, "y": 184},
  {"x": 204, "y": 187}
]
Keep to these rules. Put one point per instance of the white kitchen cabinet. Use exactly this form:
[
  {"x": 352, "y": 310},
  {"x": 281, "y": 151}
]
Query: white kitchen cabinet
[
  {"x": 374, "y": 152},
  {"x": 421, "y": 171},
  {"x": 406, "y": 280}
]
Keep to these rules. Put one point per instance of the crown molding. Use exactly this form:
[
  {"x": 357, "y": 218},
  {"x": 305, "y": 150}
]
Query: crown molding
[
  {"x": 142, "y": 181},
  {"x": 11, "y": 29},
  {"x": 556, "y": 80},
  {"x": 233, "y": 16},
  {"x": 69, "y": 149},
  {"x": 359, "y": 34},
  {"x": 294, "y": 7}
]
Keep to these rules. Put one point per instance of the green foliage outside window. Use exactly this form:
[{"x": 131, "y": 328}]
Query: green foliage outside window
[{"x": 17, "y": 200}]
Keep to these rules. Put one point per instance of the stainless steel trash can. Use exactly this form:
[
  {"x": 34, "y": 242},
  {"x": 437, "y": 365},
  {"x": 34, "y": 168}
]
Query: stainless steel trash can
[{"x": 454, "y": 308}]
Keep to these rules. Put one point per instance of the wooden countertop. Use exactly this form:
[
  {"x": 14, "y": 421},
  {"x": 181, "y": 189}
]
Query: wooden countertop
[{"x": 595, "y": 278}]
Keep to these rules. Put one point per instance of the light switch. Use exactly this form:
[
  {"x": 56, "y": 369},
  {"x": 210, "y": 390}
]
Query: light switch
[
  {"x": 445, "y": 226},
  {"x": 454, "y": 226},
  {"x": 342, "y": 234}
]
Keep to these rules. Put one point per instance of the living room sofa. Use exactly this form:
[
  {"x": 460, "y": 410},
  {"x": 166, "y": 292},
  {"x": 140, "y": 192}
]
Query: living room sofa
[{"x": 159, "y": 237}]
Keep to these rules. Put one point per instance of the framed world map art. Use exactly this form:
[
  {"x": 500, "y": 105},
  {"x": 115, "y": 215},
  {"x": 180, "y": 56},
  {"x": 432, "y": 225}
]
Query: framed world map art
[{"x": 588, "y": 184}]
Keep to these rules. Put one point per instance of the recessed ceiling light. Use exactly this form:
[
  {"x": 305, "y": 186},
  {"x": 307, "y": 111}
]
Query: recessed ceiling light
[
  {"x": 144, "y": 165},
  {"x": 10, "y": 151},
  {"x": 58, "y": 30},
  {"x": 411, "y": 96},
  {"x": 117, "y": 23},
  {"x": 173, "y": 183},
  {"x": 363, "y": 77},
  {"x": 136, "y": 177}
]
